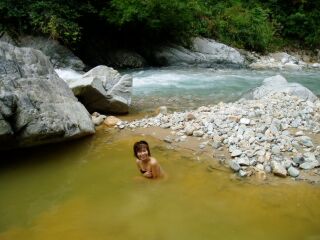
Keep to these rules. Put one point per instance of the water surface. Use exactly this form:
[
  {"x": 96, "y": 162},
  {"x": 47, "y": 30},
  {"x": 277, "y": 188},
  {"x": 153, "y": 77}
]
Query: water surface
[
  {"x": 185, "y": 88},
  {"x": 91, "y": 189}
]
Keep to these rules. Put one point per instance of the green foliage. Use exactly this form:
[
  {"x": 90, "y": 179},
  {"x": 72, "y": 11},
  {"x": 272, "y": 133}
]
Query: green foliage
[
  {"x": 155, "y": 19},
  {"x": 56, "y": 20},
  {"x": 251, "y": 24},
  {"x": 299, "y": 20},
  {"x": 241, "y": 26}
]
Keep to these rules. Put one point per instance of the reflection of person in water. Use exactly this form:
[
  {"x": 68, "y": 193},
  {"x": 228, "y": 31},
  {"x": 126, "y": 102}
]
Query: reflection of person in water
[{"x": 148, "y": 166}]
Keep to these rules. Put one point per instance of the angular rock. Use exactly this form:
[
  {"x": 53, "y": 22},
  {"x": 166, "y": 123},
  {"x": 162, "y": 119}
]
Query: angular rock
[
  {"x": 309, "y": 165},
  {"x": 278, "y": 169},
  {"x": 97, "y": 120},
  {"x": 111, "y": 121},
  {"x": 35, "y": 103},
  {"x": 103, "y": 89},
  {"x": 234, "y": 165}
]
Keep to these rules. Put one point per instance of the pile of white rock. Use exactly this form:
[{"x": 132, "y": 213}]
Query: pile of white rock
[{"x": 269, "y": 135}]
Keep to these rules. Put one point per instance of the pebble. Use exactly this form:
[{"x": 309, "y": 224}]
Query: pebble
[
  {"x": 293, "y": 172},
  {"x": 234, "y": 165}
]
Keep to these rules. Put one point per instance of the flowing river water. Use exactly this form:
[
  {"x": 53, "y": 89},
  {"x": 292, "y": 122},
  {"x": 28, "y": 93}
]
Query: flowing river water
[{"x": 91, "y": 188}]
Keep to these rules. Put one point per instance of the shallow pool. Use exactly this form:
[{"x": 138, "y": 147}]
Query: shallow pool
[{"x": 91, "y": 189}]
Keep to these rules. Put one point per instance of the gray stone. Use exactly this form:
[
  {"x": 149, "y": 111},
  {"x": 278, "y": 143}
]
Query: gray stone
[
  {"x": 305, "y": 141},
  {"x": 216, "y": 145},
  {"x": 168, "y": 139},
  {"x": 309, "y": 165},
  {"x": 242, "y": 173},
  {"x": 98, "y": 120},
  {"x": 234, "y": 165},
  {"x": 293, "y": 172},
  {"x": 279, "y": 84},
  {"x": 37, "y": 105},
  {"x": 245, "y": 121},
  {"x": 204, "y": 52},
  {"x": 267, "y": 168},
  {"x": 275, "y": 150},
  {"x": 278, "y": 169},
  {"x": 198, "y": 133},
  {"x": 59, "y": 56},
  {"x": 103, "y": 89},
  {"x": 243, "y": 161},
  {"x": 309, "y": 157},
  {"x": 236, "y": 153}
]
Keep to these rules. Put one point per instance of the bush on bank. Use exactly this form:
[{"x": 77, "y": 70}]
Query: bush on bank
[{"x": 251, "y": 24}]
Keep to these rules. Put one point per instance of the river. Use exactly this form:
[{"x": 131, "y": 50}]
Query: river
[
  {"x": 91, "y": 188},
  {"x": 183, "y": 88}
]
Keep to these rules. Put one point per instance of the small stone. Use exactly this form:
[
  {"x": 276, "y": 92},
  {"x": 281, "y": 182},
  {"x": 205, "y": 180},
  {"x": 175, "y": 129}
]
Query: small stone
[
  {"x": 111, "y": 121},
  {"x": 309, "y": 165},
  {"x": 278, "y": 169},
  {"x": 190, "y": 117},
  {"x": 309, "y": 157},
  {"x": 168, "y": 139},
  {"x": 275, "y": 150},
  {"x": 305, "y": 141},
  {"x": 293, "y": 172},
  {"x": 216, "y": 145},
  {"x": 203, "y": 145},
  {"x": 267, "y": 168},
  {"x": 261, "y": 175},
  {"x": 183, "y": 138},
  {"x": 234, "y": 165},
  {"x": 299, "y": 133},
  {"x": 242, "y": 173},
  {"x": 198, "y": 133},
  {"x": 95, "y": 114},
  {"x": 236, "y": 153},
  {"x": 97, "y": 120},
  {"x": 162, "y": 110},
  {"x": 234, "y": 118},
  {"x": 245, "y": 121}
]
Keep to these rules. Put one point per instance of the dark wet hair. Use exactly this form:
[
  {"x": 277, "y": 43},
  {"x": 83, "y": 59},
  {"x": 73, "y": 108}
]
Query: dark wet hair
[{"x": 139, "y": 145}]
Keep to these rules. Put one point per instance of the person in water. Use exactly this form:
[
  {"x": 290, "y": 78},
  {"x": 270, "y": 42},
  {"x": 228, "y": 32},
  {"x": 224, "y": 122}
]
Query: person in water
[{"x": 147, "y": 165}]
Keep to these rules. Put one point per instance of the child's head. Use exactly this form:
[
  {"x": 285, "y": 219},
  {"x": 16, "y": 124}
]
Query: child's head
[{"x": 139, "y": 146}]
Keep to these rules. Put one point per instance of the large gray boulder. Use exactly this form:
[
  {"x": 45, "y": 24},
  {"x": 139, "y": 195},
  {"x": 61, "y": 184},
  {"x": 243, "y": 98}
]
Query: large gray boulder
[
  {"x": 36, "y": 106},
  {"x": 59, "y": 56},
  {"x": 278, "y": 83},
  {"x": 103, "y": 89},
  {"x": 203, "y": 53}
]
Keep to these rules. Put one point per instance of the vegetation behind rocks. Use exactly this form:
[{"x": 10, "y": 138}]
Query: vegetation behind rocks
[{"x": 254, "y": 25}]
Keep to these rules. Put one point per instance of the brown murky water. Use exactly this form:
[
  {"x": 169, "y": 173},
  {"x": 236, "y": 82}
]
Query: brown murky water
[{"x": 91, "y": 189}]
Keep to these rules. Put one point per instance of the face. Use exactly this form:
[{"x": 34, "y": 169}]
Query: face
[{"x": 143, "y": 154}]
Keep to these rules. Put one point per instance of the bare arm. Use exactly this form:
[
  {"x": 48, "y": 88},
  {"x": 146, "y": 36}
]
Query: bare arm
[{"x": 155, "y": 169}]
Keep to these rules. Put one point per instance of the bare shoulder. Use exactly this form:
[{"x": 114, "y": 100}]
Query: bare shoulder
[{"x": 153, "y": 161}]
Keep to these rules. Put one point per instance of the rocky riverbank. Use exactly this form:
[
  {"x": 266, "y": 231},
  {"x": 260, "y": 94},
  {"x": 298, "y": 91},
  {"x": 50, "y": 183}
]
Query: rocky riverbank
[{"x": 277, "y": 134}]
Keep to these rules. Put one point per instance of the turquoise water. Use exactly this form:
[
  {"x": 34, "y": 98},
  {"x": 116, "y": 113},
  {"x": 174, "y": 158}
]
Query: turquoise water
[{"x": 191, "y": 87}]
